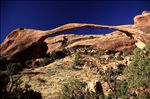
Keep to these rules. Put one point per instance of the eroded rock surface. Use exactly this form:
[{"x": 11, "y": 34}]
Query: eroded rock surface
[
  {"x": 23, "y": 44},
  {"x": 116, "y": 41}
]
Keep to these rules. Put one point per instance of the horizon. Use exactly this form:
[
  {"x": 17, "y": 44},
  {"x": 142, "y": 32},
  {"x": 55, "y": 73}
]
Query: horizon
[{"x": 45, "y": 15}]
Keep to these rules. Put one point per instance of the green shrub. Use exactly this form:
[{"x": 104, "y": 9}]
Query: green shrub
[
  {"x": 10, "y": 88},
  {"x": 14, "y": 68},
  {"x": 10, "y": 83},
  {"x": 138, "y": 72},
  {"x": 109, "y": 76},
  {"x": 143, "y": 96},
  {"x": 77, "y": 62},
  {"x": 137, "y": 77},
  {"x": 45, "y": 61},
  {"x": 73, "y": 89},
  {"x": 60, "y": 54},
  {"x": 51, "y": 72},
  {"x": 76, "y": 59},
  {"x": 103, "y": 60},
  {"x": 118, "y": 88},
  {"x": 101, "y": 52},
  {"x": 4, "y": 80},
  {"x": 77, "y": 89},
  {"x": 122, "y": 89},
  {"x": 119, "y": 57}
]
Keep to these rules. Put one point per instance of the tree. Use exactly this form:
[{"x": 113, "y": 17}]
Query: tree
[{"x": 138, "y": 72}]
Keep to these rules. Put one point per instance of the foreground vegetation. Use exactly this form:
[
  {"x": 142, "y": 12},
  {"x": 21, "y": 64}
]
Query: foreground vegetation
[
  {"x": 122, "y": 81},
  {"x": 134, "y": 83}
]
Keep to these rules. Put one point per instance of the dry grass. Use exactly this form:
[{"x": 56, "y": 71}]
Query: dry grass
[{"x": 54, "y": 75}]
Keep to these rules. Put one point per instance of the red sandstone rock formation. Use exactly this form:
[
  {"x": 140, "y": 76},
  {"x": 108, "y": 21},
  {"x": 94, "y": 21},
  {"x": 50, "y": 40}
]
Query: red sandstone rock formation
[{"x": 22, "y": 44}]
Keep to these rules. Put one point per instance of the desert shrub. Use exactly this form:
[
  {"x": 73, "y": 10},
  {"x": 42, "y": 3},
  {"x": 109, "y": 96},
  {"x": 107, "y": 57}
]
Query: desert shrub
[
  {"x": 77, "y": 62},
  {"x": 60, "y": 54},
  {"x": 10, "y": 88},
  {"x": 4, "y": 80},
  {"x": 143, "y": 95},
  {"x": 127, "y": 52},
  {"x": 101, "y": 52},
  {"x": 77, "y": 89},
  {"x": 14, "y": 68},
  {"x": 51, "y": 72},
  {"x": 10, "y": 84},
  {"x": 93, "y": 95},
  {"x": 45, "y": 61},
  {"x": 10, "y": 66},
  {"x": 118, "y": 88},
  {"x": 24, "y": 93},
  {"x": 73, "y": 89},
  {"x": 103, "y": 60},
  {"x": 109, "y": 76},
  {"x": 119, "y": 57},
  {"x": 85, "y": 50},
  {"x": 137, "y": 77},
  {"x": 110, "y": 51},
  {"x": 76, "y": 59},
  {"x": 138, "y": 72},
  {"x": 89, "y": 50},
  {"x": 122, "y": 89}
]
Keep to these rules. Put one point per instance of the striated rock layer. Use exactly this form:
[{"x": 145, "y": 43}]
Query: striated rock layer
[
  {"x": 116, "y": 41},
  {"x": 22, "y": 44}
]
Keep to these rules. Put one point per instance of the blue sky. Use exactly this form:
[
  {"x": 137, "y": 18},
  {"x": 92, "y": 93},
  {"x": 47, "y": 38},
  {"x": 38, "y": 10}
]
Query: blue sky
[{"x": 46, "y": 15}]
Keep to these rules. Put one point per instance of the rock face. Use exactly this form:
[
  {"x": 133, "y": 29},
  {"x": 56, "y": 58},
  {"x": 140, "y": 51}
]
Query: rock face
[
  {"x": 143, "y": 19},
  {"x": 22, "y": 44},
  {"x": 116, "y": 41}
]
